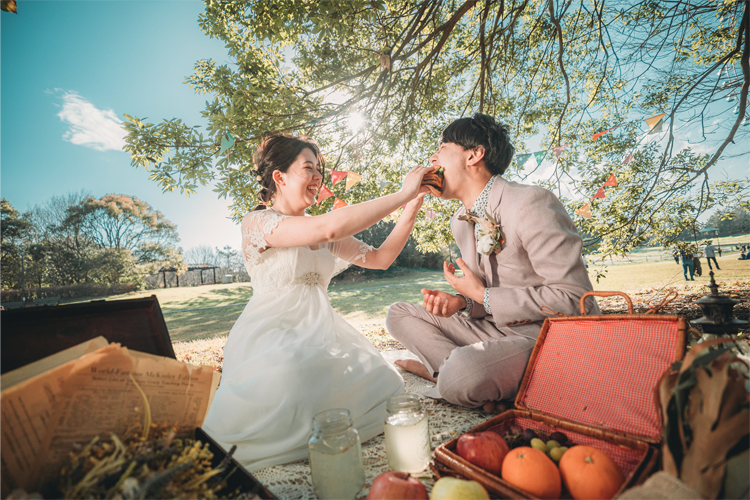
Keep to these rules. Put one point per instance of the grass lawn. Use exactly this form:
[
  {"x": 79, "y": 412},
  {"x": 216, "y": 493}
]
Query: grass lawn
[
  {"x": 658, "y": 254},
  {"x": 208, "y": 312}
]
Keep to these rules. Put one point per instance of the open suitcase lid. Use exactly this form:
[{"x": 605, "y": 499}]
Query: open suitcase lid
[{"x": 601, "y": 370}]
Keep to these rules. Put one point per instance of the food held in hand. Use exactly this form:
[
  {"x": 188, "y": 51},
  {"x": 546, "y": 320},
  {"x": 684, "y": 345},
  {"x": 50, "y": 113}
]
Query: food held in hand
[
  {"x": 533, "y": 471},
  {"x": 434, "y": 181},
  {"x": 485, "y": 449},
  {"x": 590, "y": 473},
  {"x": 394, "y": 485},
  {"x": 451, "y": 488}
]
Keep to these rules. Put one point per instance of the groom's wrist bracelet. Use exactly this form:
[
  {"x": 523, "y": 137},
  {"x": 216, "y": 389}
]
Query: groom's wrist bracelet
[{"x": 469, "y": 304}]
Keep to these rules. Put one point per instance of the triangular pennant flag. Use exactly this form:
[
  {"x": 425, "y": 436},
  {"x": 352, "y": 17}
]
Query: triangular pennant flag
[
  {"x": 430, "y": 214},
  {"x": 337, "y": 176},
  {"x": 383, "y": 183},
  {"x": 657, "y": 128},
  {"x": 339, "y": 204},
  {"x": 539, "y": 156},
  {"x": 600, "y": 193},
  {"x": 352, "y": 179},
  {"x": 558, "y": 150},
  {"x": 612, "y": 181},
  {"x": 599, "y": 134},
  {"x": 654, "y": 121},
  {"x": 226, "y": 142},
  {"x": 628, "y": 159},
  {"x": 9, "y": 6},
  {"x": 522, "y": 159},
  {"x": 584, "y": 211},
  {"x": 324, "y": 193}
]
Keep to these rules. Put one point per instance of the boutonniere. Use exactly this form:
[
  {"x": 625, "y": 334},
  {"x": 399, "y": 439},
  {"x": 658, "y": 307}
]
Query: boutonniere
[{"x": 491, "y": 238}]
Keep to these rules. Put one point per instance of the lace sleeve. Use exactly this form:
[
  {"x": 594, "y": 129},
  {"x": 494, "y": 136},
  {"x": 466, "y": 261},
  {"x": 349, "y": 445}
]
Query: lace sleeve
[
  {"x": 255, "y": 227},
  {"x": 349, "y": 251}
]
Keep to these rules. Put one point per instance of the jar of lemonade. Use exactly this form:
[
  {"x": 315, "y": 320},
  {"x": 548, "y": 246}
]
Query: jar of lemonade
[
  {"x": 335, "y": 455},
  {"x": 407, "y": 437}
]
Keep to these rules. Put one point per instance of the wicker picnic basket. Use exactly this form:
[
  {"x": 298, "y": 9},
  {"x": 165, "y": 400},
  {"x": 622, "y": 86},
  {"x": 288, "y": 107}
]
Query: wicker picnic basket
[{"x": 592, "y": 378}]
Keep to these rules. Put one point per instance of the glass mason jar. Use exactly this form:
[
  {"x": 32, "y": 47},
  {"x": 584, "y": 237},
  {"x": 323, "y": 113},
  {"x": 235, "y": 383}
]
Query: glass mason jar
[
  {"x": 407, "y": 437},
  {"x": 335, "y": 455}
]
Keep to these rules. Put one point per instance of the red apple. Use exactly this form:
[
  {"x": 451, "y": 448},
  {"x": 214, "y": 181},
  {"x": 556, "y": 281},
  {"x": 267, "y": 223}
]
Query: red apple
[
  {"x": 394, "y": 485},
  {"x": 485, "y": 449}
]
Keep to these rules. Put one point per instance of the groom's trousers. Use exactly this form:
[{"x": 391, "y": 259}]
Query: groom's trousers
[{"x": 474, "y": 361}]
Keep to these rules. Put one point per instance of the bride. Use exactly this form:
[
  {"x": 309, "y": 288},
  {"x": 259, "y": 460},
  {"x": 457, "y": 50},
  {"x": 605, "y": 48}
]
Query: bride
[{"x": 290, "y": 356}]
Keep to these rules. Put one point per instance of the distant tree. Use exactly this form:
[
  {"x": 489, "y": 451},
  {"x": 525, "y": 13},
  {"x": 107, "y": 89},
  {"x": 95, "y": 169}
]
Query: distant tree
[
  {"x": 230, "y": 259},
  {"x": 202, "y": 254},
  {"x": 734, "y": 221},
  {"x": 131, "y": 236},
  {"x": 15, "y": 229}
]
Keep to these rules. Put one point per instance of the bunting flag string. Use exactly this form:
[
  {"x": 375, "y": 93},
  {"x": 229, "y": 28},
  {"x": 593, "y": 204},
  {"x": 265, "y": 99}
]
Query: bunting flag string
[
  {"x": 337, "y": 176},
  {"x": 558, "y": 150},
  {"x": 600, "y": 193},
  {"x": 227, "y": 141},
  {"x": 584, "y": 211},
  {"x": 654, "y": 125},
  {"x": 655, "y": 121},
  {"x": 430, "y": 214},
  {"x": 612, "y": 181},
  {"x": 351, "y": 180},
  {"x": 324, "y": 193},
  {"x": 339, "y": 204},
  {"x": 599, "y": 134},
  {"x": 382, "y": 183},
  {"x": 628, "y": 159},
  {"x": 522, "y": 159}
]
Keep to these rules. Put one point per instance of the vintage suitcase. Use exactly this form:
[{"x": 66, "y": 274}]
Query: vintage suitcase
[
  {"x": 592, "y": 378},
  {"x": 241, "y": 480},
  {"x": 30, "y": 334}
]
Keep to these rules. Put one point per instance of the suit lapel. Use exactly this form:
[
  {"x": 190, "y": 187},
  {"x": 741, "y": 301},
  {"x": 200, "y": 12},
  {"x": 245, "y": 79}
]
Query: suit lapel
[
  {"x": 464, "y": 233},
  {"x": 488, "y": 263}
]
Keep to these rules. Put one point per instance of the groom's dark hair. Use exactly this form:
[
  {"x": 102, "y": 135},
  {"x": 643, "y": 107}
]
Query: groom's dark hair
[{"x": 482, "y": 130}]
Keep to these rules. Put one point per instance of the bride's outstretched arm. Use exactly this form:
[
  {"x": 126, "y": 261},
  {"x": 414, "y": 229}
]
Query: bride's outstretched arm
[
  {"x": 383, "y": 256},
  {"x": 344, "y": 222}
]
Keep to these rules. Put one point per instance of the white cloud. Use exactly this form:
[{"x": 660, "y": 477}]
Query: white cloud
[{"x": 89, "y": 126}]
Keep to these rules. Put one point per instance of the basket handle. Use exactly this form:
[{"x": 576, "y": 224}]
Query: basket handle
[{"x": 604, "y": 294}]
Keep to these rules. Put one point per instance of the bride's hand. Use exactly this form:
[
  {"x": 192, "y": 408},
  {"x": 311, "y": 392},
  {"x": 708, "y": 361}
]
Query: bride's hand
[
  {"x": 412, "y": 208},
  {"x": 411, "y": 184}
]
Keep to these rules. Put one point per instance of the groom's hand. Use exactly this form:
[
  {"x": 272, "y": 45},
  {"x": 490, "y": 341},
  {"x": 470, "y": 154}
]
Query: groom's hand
[
  {"x": 441, "y": 304},
  {"x": 468, "y": 286}
]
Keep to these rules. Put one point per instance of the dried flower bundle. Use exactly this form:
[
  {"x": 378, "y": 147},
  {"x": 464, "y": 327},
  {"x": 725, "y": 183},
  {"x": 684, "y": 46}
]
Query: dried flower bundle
[{"x": 704, "y": 406}]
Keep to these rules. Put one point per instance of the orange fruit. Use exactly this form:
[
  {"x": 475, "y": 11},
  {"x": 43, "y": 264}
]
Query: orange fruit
[
  {"x": 533, "y": 471},
  {"x": 590, "y": 473}
]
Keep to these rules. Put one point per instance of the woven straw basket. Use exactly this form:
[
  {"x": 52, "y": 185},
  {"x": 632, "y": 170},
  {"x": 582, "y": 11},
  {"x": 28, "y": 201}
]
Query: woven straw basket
[{"x": 592, "y": 378}]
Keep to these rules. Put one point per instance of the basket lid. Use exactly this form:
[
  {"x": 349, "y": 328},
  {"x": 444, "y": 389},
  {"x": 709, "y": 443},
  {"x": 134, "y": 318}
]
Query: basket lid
[{"x": 601, "y": 370}]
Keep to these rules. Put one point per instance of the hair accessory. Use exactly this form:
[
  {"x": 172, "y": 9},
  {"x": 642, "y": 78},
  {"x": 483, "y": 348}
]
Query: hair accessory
[{"x": 259, "y": 178}]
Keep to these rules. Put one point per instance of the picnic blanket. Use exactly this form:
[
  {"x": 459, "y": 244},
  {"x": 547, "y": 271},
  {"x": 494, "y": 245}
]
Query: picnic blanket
[{"x": 292, "y": 481}]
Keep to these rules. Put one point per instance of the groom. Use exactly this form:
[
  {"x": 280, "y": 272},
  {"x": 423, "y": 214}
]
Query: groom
[{"x": 475, "y": 344}]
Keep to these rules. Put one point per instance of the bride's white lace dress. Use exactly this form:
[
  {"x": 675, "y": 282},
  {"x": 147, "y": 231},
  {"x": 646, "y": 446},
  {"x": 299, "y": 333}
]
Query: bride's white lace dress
[{"x": 290, "y": 355}]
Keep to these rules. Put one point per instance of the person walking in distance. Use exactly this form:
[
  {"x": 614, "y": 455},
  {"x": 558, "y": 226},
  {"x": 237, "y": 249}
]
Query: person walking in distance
[
  {"x": 686, "y": 256},
  {"x": 710, "y": 252}
]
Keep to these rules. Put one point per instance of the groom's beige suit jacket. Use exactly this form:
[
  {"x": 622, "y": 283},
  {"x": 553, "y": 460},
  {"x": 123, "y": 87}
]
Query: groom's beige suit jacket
[
  {"x": 539, "y": 265},
  {"x": 483, "y": 358}
]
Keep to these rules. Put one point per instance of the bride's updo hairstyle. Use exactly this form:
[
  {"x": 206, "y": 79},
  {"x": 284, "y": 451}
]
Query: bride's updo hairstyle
[{"x": 278, "y": 152}]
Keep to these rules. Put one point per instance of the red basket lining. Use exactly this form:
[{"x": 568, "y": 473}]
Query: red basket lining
[
  {"x": 627, "y": 459},
  {"x": 602, "y": 373}
]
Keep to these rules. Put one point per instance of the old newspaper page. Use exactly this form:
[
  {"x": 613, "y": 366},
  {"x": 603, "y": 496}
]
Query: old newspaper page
[{"x": 43, "y": 416}]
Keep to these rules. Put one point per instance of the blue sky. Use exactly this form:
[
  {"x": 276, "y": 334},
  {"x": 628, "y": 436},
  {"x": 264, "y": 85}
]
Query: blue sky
[
  {"x": 70, "y": 69},
  {"x": 69, "y": 72}
]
